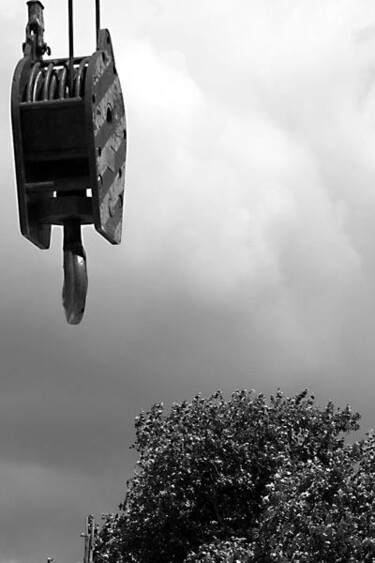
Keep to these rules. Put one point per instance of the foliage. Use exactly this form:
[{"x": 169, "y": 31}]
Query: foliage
[
  {"x": 234, "y": 550},
  {"x": 246, "y": 481}
]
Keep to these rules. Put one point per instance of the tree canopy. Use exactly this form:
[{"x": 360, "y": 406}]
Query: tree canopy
[{"x": 246, "y": 480}]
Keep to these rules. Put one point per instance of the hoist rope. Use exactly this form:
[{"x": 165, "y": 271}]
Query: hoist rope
[
  {"x": 97, "y": 12},
  {"x": 71, "y": 43}
]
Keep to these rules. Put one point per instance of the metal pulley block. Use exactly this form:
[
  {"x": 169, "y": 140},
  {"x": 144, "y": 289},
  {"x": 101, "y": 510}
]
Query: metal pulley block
[{"x": 69, "y": 134}]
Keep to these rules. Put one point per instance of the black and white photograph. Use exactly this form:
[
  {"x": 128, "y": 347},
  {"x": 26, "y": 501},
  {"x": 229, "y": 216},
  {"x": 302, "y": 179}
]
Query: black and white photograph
[{"x": 187, "y": 296}]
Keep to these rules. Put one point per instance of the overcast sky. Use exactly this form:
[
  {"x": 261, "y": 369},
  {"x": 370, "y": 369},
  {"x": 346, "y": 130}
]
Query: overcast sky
[{"x": 248, "y": 255}]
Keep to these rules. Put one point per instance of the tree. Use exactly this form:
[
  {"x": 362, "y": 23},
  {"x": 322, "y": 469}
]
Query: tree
[{"x": 246, "y": 481}]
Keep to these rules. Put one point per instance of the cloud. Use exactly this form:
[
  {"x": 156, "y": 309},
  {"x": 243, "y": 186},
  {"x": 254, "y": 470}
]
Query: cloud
[
  {"x": 248, "y": 127},
  {"x": 249, "y": 193},
  {"x": 42, "y": 512}
]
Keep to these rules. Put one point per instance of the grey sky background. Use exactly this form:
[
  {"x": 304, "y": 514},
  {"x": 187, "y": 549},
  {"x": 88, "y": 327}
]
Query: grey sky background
[{"x": 248, "y": 255}]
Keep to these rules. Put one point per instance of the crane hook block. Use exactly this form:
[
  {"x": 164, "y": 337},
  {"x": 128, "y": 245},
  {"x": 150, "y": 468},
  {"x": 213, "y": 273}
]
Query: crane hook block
[{"x": 69, "y": 136}]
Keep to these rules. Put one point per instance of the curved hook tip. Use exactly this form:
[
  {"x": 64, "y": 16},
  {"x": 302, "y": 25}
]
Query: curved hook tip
[
  {"x": 75, "y": 286},
  {"x": 75, "y": 274}
]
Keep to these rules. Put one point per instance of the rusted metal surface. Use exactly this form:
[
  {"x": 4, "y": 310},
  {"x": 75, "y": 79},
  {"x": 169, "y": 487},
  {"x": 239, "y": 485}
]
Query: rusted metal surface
[
  {"x": 107, "y": 132},
  {"x": 34, "y": 46},
  {"x": 69, "y": 133}
]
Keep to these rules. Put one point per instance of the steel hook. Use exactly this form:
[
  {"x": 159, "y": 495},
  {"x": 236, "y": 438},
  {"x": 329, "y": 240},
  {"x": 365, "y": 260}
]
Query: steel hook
[{"x": 75, "y": 273}]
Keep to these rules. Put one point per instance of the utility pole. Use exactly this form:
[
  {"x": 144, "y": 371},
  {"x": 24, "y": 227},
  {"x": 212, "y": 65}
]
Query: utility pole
[{"x": 89, "y": 535}]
